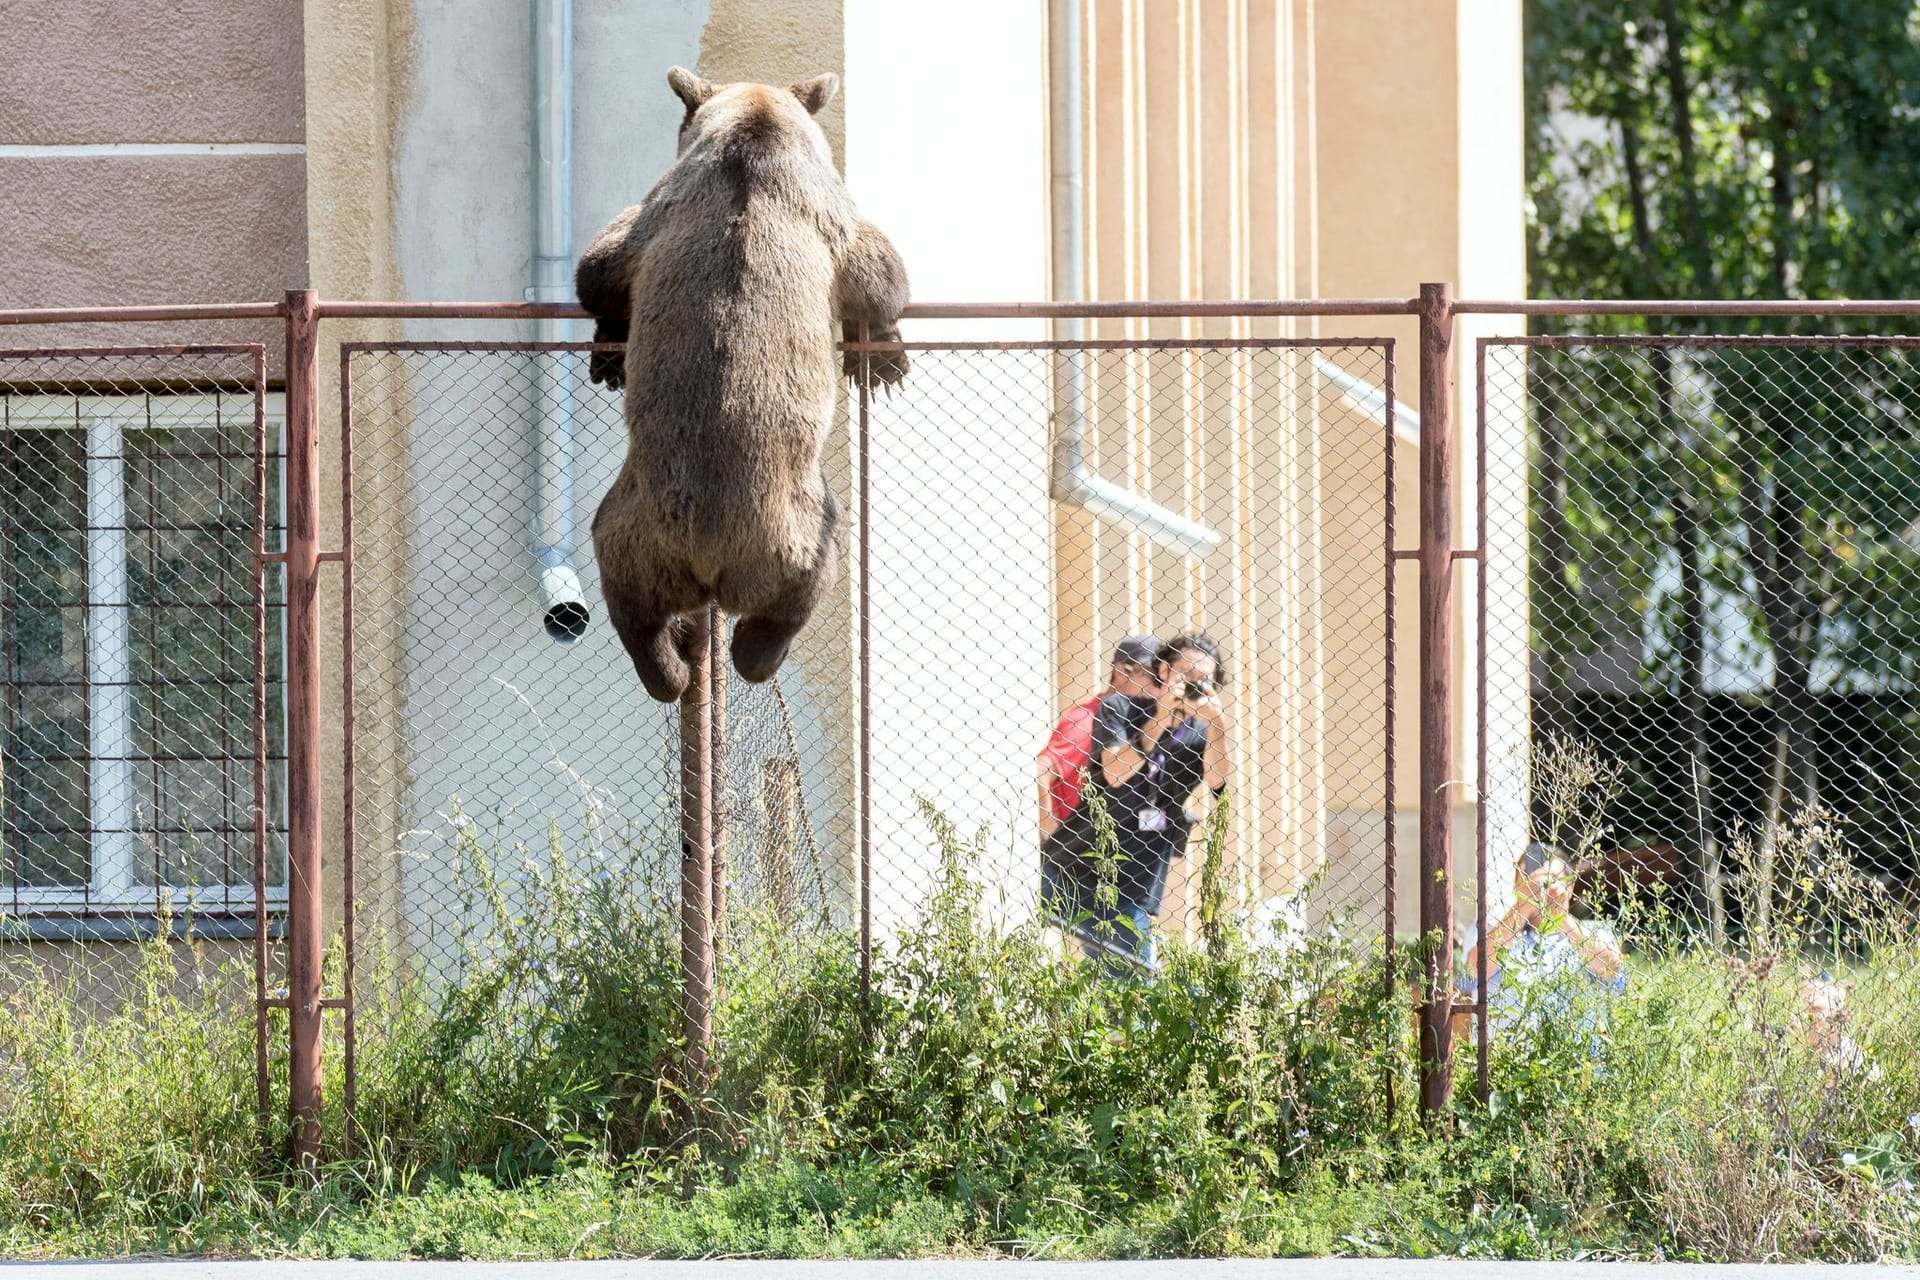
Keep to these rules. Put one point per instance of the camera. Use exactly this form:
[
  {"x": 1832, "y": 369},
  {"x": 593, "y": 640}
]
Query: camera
[{"x": 1194, "y": 691}]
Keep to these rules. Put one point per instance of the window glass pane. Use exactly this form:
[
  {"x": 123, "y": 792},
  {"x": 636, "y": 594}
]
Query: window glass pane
[
  {"x": 43, "y": 649},
  {"x": 175, "y": 804},
  {"x": 190, "y": 541},
  {"x": 47, "y": 822}
]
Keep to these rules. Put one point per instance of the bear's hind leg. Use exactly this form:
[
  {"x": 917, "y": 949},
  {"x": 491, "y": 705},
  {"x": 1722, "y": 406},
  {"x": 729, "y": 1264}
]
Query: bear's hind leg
[
  {"x": 761, "y": 639},
  {"x": 760, "y": 644},
  {"x": 654, "y": 637}
]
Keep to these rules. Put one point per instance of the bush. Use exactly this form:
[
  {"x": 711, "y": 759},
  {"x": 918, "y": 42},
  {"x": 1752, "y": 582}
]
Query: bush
[{"x": 998, "y": 1097}]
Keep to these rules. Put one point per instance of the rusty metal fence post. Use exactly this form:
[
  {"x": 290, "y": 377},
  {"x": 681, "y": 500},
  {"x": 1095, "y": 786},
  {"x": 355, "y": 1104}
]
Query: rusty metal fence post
[
  {"x": 302, "y": 559},
  {"x": 696, "y": 854},
  {"x": 1436, "y": 695},
  {"x": 864, "y": 607},
  {"x": 717, "y": 789}
]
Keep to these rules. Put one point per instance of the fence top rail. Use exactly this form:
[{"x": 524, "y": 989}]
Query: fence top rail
[
  {"x": 122, "y": 315},
  {"x": 170, "y": 349},
  {"x": 1688, "y": 307},
  {"x": 1133, "y": 310},
  {"x": 484, "y": 310},
  {"x": 1037, "y": 344},
  {"x": 1709, "y": 341},
  {"x": 1122, "y": 310}
]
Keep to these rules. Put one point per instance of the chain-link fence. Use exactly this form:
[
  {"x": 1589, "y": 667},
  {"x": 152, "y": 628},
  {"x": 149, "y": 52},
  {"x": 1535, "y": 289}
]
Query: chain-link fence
[
  {"x": 506, "y": 770},
  {"x": 1117, "y": 637},
  {"x": 140, "y": 722},
  {"x": 495, "y": 770},
  {"x": 1718, "y": 732},
  {"x": 1225, "y": 500}
]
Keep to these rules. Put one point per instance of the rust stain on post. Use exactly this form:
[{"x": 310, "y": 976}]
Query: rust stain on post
[
  {"x": 1480, "y": 714},
  {"x": 865, "y": 575},
  {"x": 349, "y": 1068},
  {"x": 696, "y": 858},
  {"x": 1390, "y": 798},
  {"x": 262, "y": 1087},
  {"x": 717, "y": 786}
]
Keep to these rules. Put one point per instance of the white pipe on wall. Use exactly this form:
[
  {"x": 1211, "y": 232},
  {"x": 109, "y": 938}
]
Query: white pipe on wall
[
  {"x": 564, "y": 611},
  {"x": 1369, "y": 399},
  {"x": 1071, "y": 478}
]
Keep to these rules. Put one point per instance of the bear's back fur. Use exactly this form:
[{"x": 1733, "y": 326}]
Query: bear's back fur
[
  {"x": 731, "y": 372},
  {"x": 728, "y": 287}
]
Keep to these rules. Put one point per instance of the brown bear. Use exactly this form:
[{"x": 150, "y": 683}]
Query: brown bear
[{"x": 728, "y": 284}]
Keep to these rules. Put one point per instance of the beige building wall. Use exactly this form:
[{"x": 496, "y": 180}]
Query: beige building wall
[
  {"x": 1294, "y": 148},
  {"x": 143, "y": 160},
  {"x": 1235, "y": 148}
]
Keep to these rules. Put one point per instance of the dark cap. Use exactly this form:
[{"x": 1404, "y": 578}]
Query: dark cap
[{"x": 1139, "y": 650}]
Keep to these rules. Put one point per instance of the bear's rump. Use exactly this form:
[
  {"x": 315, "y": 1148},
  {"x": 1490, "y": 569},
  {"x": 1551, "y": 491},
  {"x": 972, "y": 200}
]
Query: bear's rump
[{"x": 738, "y": 548}]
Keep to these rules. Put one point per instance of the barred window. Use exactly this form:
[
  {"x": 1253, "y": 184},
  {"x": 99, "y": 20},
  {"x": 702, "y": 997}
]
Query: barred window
[{"x": 127, "y": 652}]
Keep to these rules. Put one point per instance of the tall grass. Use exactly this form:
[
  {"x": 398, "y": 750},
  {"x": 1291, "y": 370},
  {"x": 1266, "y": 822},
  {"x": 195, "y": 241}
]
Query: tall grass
[{"x": 998, "y": 1096}]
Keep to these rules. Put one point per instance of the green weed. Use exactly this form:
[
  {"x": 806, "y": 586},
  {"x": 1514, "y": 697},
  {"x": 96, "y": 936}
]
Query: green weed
[{"x": 998, "y": 1096}]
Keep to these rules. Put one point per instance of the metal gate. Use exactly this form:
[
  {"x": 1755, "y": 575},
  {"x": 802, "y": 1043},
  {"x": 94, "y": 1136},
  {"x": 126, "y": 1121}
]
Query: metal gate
[{"x": 796, "y": 792}]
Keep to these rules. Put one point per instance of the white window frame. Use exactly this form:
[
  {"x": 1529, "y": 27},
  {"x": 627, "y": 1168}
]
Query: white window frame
[{"x": 114, "y": 845}]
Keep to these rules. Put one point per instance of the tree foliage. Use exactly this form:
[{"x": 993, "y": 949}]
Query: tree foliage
[{"x": 1752, "y": 510}]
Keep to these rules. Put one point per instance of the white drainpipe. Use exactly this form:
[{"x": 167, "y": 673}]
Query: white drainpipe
[
  {"x": 564, "y": 610},
  {"x": 1072, "y": 479},
  {"x": 1369, "y": 399}
]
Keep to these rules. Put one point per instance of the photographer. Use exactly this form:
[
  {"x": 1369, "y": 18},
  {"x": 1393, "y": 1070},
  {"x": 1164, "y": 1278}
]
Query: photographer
[
  {"x": 1153, "y": 753},
  {"x": 1544, "y": 961},
  {"x": 1068, "y": 756}
]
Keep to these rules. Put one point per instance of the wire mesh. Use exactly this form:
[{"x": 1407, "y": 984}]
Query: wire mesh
[
  {"x": 496, "y": 771},
  {"x": 1234, "y": 490},
  {"x": 142, "y": 747},
  {"x": 1692, "y": 642},
  {"x": 1699, "y": 687}
]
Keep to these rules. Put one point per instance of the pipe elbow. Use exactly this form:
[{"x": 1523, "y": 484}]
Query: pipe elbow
[{"x": 563, "y": 611}]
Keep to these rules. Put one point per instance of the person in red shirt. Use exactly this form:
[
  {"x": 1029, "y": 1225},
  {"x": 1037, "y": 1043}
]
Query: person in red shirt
[{"x": 1063, "y": 762}]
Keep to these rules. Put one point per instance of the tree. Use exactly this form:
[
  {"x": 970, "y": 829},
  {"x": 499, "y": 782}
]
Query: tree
[{"x": 1728, "y": 149}]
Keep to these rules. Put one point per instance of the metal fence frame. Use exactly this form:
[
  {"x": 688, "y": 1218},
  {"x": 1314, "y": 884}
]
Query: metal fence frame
[{"x": 302, "y": 315}]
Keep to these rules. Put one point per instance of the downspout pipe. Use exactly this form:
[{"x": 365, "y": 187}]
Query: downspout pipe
[
  {"x": 564, "y": 613},
  {"x": 1071, "y": 478},
  {"x": 1369, "y": 399}
]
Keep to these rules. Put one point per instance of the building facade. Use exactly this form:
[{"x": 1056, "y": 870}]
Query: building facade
[{"x": 1230, "y": 149}]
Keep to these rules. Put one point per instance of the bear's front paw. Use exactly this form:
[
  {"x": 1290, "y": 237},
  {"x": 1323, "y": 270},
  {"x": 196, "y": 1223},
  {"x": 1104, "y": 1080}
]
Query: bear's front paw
[
  {"x": 608, "y": 368},
  {"x": 882, "y": 368}
]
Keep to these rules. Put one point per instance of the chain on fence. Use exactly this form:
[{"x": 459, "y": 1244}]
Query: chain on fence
[
  {"x": 1718, "y": 621},
  {"x": 140, "y": 721}
]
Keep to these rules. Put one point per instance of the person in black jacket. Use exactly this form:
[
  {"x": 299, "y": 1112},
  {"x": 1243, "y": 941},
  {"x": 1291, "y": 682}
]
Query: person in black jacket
[{"x": 1151, "y": 754}]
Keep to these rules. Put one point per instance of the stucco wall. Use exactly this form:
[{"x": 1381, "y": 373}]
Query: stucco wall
[
  {"x": 151, "y": 154},
  {"x": 1378, "y": 148},
  {"x": 1352, "y": 181},
  {"x": 946, "y": 150},
  {"x": 462, "y": 226},
  {"x": 485, "y": 708}
]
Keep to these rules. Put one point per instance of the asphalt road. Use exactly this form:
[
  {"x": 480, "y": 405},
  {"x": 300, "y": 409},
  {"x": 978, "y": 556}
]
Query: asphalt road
[{"x": 1233, "y": 1269}]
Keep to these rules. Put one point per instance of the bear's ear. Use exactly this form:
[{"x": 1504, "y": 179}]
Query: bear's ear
[
  {"x": 690, "y": 88},
  {"x": 817, "y": 92}
]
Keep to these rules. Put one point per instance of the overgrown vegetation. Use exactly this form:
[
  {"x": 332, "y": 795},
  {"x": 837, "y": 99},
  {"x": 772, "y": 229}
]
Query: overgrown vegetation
[{"x": 1002, "y": 1099}]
